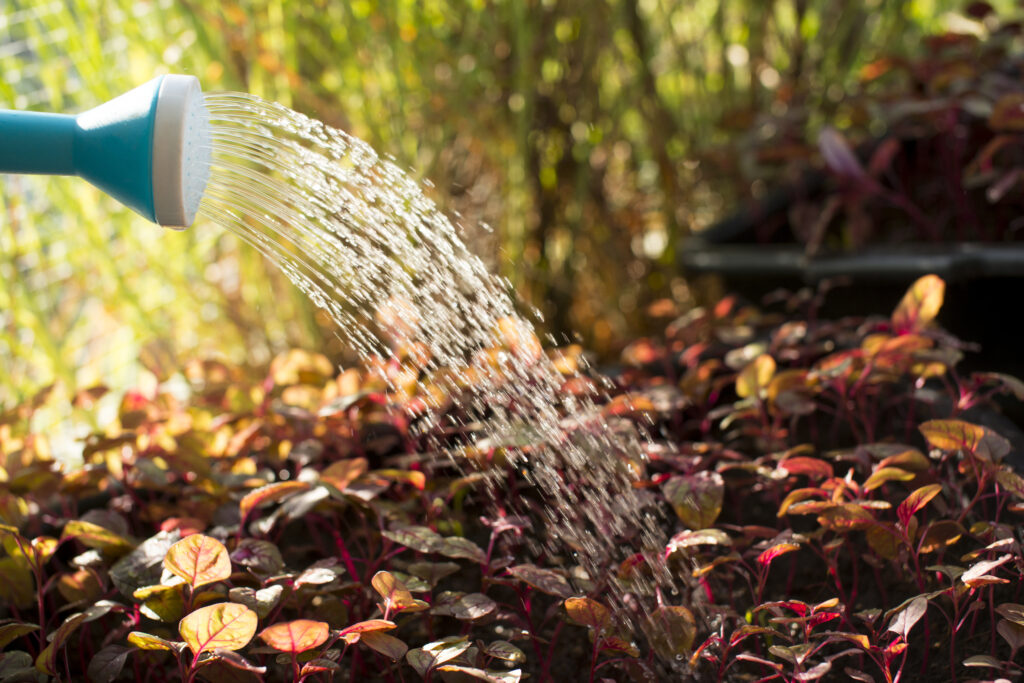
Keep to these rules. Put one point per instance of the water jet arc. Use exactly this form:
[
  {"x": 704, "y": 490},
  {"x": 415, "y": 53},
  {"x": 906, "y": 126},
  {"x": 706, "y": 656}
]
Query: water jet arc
[{"x": 148, "y": 148}]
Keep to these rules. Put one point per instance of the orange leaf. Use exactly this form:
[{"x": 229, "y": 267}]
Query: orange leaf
[
  {"x": 812, "y": 467},
  {"x": 199, "y": 560},
  {"x": 295, "y": 636},
  {"x": 268, "y": 494},
  {"x": 343, "y": 472},
  {"x": 587, "y": 612},
  {"x": 354, "y": 632},
  {"x": 396, "y": 596},
  {"x": 920, "y": 304},
  {"x": 226, "y": 625}
]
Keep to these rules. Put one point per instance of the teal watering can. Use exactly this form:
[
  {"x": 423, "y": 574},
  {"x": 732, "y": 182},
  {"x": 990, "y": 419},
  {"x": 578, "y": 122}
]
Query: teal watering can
[{"x": 148, "y": 148}]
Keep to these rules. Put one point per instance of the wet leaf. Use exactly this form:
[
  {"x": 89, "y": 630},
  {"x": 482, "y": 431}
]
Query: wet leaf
[
  {"x": 919, "y": 305},
  {"x": 697, "y": 498},
  {"x": 198, "y": 560},
  {"x": 754, "y": 378},
  {"x": 296, "y": 636},
  {"x": 385, "y": 644},
  {"x": 670, "y": 631},
  {"x": 587, "y": 612},
  {"x": 686, "y": 539},
  {"x": 269, "y": 494},
  {"x": 226, "y": 625},
  {"x": 544, "y": 580}
]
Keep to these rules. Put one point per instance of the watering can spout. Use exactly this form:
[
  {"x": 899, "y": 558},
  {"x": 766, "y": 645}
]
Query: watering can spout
[{"x": 148, "y": 148}]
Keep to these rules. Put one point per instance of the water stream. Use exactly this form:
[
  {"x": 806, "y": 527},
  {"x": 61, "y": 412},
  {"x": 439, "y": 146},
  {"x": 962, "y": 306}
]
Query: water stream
[{"x": 361, "y": 239}]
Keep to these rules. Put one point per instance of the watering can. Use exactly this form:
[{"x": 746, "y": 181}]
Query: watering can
[{"x": 148, "y": 148}]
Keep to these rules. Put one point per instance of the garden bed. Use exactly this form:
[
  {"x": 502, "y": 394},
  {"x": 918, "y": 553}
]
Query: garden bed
[{"x": 835, "y": 504}]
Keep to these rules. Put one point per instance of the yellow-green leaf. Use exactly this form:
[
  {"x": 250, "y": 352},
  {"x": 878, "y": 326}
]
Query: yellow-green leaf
[
  {"x": 94, "y": 536},
  {"x": 920, "y": 304},
  {"x": 886, "y": 474},
  {"x": 670, "y": 631},
  {"x": 199, "y": 560},
  {"x": 226, "y": 625},
  {"x": 755, "y": 376},
  {"x": 696, "y": 498}
]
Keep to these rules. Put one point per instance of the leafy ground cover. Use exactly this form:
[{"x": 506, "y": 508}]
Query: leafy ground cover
[{"x": 839, "y": 504}]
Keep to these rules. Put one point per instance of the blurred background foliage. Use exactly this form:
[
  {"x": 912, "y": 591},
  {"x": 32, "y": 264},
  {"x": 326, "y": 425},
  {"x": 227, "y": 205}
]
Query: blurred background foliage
[{"x": 577, "y": 142}]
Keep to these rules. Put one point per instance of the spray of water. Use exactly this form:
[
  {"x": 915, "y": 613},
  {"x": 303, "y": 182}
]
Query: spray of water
[{"x": 360, "y": 238}]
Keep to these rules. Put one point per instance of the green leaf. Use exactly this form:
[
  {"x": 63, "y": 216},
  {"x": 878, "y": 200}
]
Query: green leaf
[
  {"x": 920, "y": 304},
  {"x": 670, "y": 631},
  {"x": 387, "y": 645},
  {"x": 696, "y": 498}
]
